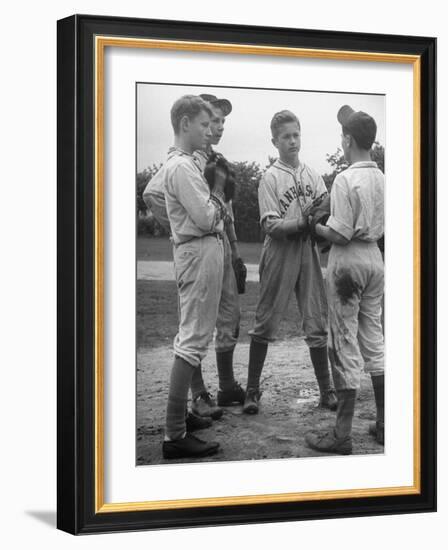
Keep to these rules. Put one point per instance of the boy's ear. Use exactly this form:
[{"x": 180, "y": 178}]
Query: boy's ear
[
  {"x": 274, "y": 142},
  {"x": 184, "y": 123}
]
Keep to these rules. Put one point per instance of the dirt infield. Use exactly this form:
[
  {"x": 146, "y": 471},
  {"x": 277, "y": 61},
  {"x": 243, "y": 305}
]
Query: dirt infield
[
  {"x": 290, "y": 393},
  {"x": 288, "y": 408}
]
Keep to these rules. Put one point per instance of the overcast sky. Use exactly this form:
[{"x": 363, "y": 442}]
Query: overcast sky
[{"x": 247, "y": 129}]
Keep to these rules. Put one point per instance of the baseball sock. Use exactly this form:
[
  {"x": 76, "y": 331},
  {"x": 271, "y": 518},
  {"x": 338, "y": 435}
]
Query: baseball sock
[
  {"x": 345, "y": 413},
  {"x": 319, "y": 358},
  {"x": 197, "y": 383},
  {"x": 180, "y": 381},
  {"x": 257, "y": 356},
  {"x": 378, "y": 390},
  {"x": 224, "y": 362}
]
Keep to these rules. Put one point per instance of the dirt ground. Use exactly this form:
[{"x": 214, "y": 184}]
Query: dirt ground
[
  {"x": 288, "y": 408},
  {"x": 290, "y": 393}
]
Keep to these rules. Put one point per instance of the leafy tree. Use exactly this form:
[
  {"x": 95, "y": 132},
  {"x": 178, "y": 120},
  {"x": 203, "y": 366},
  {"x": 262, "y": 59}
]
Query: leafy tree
[
  {"x": 338, "y": 163},
  {"x": 142, "y": 180},
  {"x": 245, "y": 204}
]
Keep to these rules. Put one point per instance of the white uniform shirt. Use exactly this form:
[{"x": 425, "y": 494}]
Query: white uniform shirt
[
  {"x": 190, "y": 210},
  {"x": 285, "y": 190},
  {"x": 357, "y": 202}
]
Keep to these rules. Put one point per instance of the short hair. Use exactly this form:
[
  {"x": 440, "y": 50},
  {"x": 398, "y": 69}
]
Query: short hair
[
  {"x": 359, "y": 125},
  {"x": 280, "y": 118},
  {"x": 189, "y": 106}
]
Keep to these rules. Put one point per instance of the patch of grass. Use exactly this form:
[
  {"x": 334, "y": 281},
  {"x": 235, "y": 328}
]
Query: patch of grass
[
  {"x": 160, "y": 249},
  {"x": 157, "y": 314}
]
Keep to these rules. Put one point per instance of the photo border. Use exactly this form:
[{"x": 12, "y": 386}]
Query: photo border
[{"x": 82, "y": 41}]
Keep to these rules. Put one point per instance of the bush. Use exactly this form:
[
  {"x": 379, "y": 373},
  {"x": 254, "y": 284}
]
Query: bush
[{"x": 148, "y": 225}]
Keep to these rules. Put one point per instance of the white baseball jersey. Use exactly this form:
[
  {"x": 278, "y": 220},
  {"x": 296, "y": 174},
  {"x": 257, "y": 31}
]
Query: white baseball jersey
[
  {"x": 357, "y": 202},
  {"x": 285, "y": 190},
  {"x": 190, "y": 211}
]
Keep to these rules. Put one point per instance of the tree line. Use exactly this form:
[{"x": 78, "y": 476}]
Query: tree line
[{"x": 245, "y": 205}]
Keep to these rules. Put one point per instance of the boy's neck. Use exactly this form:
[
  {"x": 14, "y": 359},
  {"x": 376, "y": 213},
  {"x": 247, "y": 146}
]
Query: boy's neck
[
  {"x": 361, "y": 155},
  {"x": 292, "y": 161},
  {"x": 181, "y": 142}
]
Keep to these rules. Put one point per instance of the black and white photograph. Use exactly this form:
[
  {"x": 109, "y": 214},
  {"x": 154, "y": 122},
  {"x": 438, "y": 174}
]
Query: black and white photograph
[{"x": 259, "y": 273}]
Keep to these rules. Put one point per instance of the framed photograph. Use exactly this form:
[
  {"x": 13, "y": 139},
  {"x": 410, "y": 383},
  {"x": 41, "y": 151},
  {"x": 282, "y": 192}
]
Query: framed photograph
[{"x": 246, "y": 286}]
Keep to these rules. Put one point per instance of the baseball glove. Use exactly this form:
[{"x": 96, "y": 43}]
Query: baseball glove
[
  {"x": 318, "y": 213},
  {"x": 240, "y": 275},
  {"x": 216, "y": 160}
]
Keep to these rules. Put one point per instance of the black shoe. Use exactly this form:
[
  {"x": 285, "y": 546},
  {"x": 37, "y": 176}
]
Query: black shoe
[
  {"x": 203, "y": 405},
  {"x": 189, "y": 446},
  {"x": 251, "y": 401},
  {"x": 232, "y": 396},
  {"x": 195, "y": 422},
  {"x": 328, "y": 400}
]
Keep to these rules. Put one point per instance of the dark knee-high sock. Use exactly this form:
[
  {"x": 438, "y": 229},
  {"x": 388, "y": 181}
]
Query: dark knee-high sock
[
  {"x": 180, "y": 382},
  {"x": 197, "y": 382},
  {"x": 224, "y": 363},
  {"x": 378, "y": 390},
  {"x": 257, "y": 356},
  {"x": 319, "y": 358},
  {"x": 345, "y": 412}
]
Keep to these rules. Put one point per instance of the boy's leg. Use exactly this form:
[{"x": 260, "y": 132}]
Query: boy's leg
[
  {"x": 371, "y": 342},
  {"x": 343, "y": 301},
  {"x": 227, "y": 331},
  {"x": 178, "y": 443},
  {"x": 198, "y": 266},
  {"x": 312, "y": 303},
  {"x": 279, "y": 267}
]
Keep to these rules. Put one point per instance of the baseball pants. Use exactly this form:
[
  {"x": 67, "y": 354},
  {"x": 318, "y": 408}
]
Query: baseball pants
[
  {"x": 287, "y": 267},
  {"x": 198, "y": 268},
  {"x": 228, "y": 322},
  {"x": 355, "y": 282}
]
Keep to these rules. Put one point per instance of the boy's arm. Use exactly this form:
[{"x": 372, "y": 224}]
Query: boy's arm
[
  {"x": 339, "y": 228},
  {"x": 270, "y": 216},
  {"x": 191, "y": 190}
]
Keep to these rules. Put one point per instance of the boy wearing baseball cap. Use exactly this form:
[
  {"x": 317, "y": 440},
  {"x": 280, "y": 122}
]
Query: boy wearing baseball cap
[{"x": 355, "y": 281}]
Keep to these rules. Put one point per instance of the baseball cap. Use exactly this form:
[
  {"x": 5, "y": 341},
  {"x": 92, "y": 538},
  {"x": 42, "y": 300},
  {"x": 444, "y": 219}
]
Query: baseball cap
[
  {"x": 358, "y": 124},
  {"x": 223, "y": 104}
]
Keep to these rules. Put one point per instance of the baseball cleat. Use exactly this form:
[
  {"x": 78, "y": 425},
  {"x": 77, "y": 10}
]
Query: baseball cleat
[
  {"x": 328, "y": 400},
  {"x": 251, "y": 402},
  {"x": 328, "y": 442},
  {"x": 377, "y": 430},
  {"x": 232, "y": 396},
  {"x": 204, "y": 405},
  {"x": 189, "y": 447},
  {"x": 194, "y": 422}
]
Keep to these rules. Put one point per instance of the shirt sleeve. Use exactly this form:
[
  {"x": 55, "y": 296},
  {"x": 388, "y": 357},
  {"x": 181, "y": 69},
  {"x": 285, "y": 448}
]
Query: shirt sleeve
[
  {"x": 267, "y": 198},
  {"x": 192, "y": 192},
  {"x": 321, "y": 188},
  {"x": 341, "y": 217}
]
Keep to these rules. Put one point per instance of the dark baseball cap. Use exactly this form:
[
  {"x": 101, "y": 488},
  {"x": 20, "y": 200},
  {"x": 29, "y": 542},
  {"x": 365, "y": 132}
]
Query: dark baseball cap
[
  {"x": 223, "y": 104},
  {"x": 360, "y": 125}
]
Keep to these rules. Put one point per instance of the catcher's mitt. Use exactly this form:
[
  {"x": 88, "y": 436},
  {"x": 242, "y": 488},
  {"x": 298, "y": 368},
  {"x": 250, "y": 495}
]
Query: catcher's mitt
[
  {"x": 240, "y": 275},
  {"x": 318, "y": 213},
  {"x": 214, "y": 161}
]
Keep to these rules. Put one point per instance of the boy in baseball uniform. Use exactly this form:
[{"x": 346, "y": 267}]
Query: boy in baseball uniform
[
  {"x": 196, "y": 220},
  {"x": 227, "y": 326},
  {"x": 355, "y": 280},
  {"x": 289, "y": 261}
]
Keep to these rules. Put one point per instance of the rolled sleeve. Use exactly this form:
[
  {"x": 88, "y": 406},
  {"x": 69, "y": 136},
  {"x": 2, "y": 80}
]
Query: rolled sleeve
[
  {"x": 341, "y": 217},
  {"x": 267, "y": 198}
]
